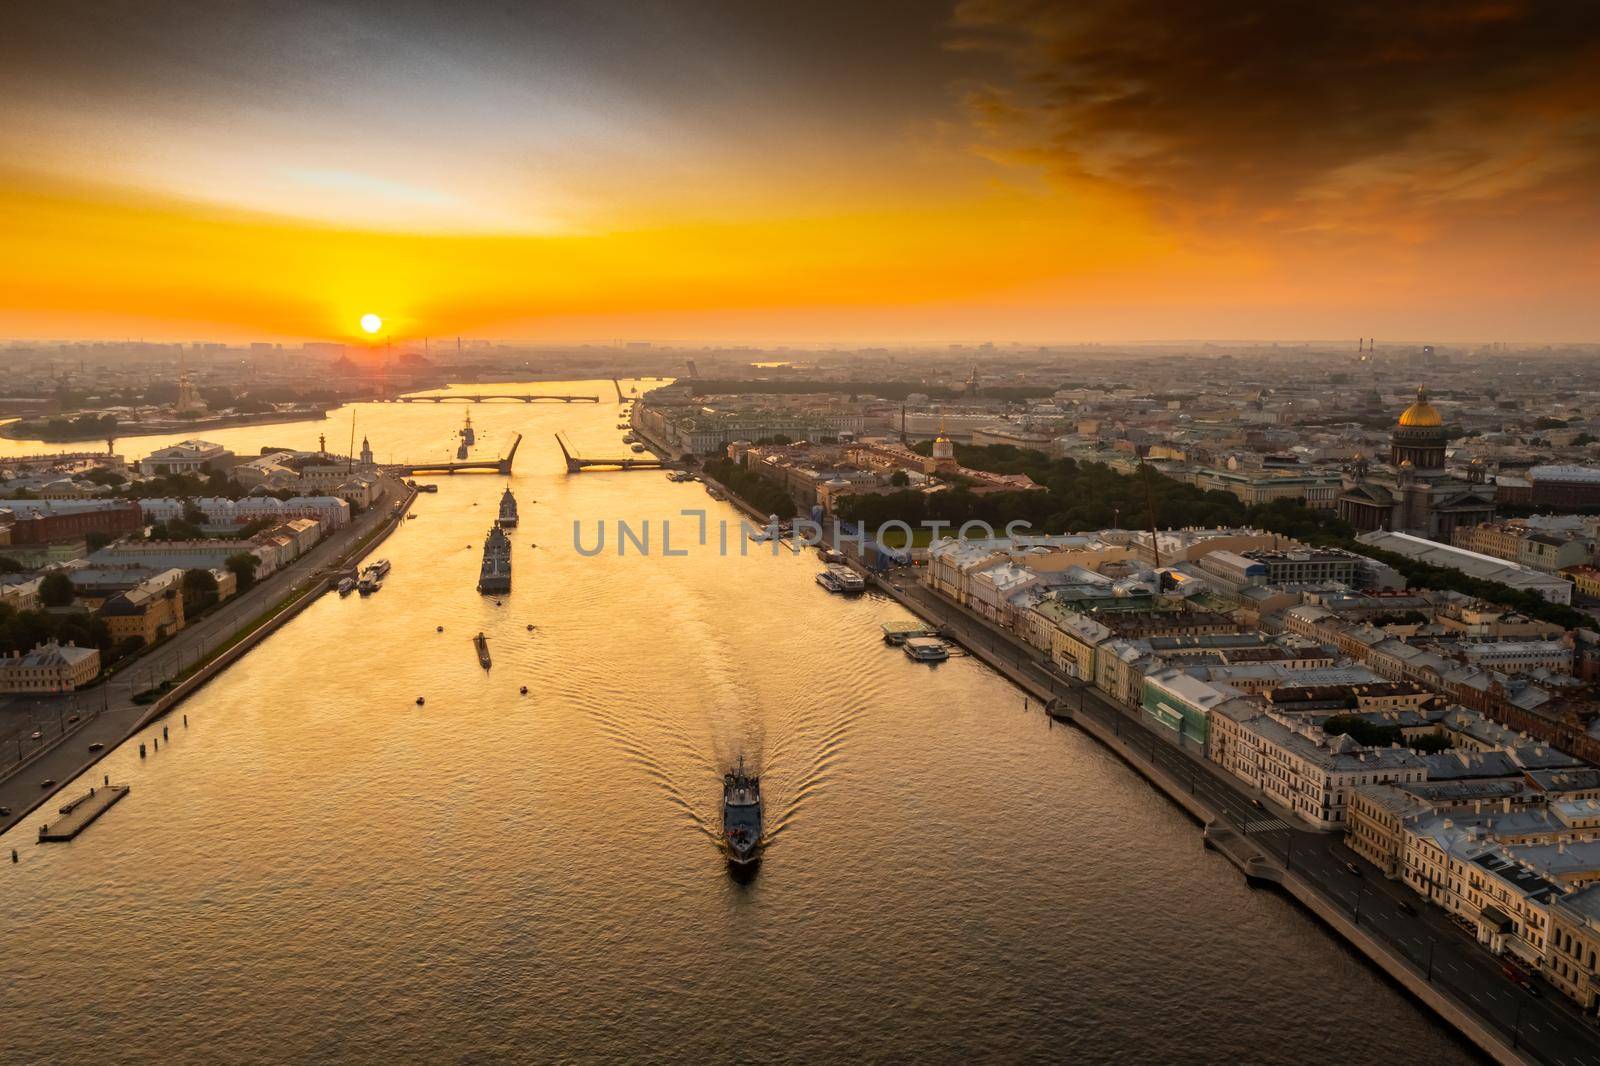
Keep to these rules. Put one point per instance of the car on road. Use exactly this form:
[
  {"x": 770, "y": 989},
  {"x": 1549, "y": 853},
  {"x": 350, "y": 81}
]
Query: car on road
[
  {"x": 71, "y": 718},
  {"x": 97, "y": 746},
  {"x": 5, "y": 812},
  {"x": 37, "y": 735},
  {"x": 1352, "y": 869},
  {"x": 1518, "y": 976},
  {"x": 1406, "y": 909},
  {"x": 48, "y": 782}
]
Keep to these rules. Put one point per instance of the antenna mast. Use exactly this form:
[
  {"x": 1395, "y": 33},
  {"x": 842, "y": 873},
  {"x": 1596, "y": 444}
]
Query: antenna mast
[{"x": 1150, "y": 512}]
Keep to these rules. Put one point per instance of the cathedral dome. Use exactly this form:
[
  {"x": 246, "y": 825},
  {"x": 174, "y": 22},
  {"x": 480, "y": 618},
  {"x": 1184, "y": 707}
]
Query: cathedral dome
[{"x": 1421, "y": 414}]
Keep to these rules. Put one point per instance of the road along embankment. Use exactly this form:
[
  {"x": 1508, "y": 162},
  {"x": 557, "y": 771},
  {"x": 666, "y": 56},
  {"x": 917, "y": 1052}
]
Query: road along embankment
[
  {"x": 64, "y": 761},
  {"x": 1132, "y": 744}
]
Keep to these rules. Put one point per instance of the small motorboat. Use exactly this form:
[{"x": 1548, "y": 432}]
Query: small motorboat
[
  {"x": 524, "y": 690},
  {"x": 420, "y": 701},
  {"x": 438, "y": 629}
]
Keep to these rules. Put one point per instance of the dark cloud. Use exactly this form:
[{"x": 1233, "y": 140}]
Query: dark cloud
[
  {"x": 1254, "y": 108},
  {"x": 704, "y": 55}
]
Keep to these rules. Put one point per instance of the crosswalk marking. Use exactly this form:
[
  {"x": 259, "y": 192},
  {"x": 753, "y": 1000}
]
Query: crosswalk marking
[{"x": 1265, "y": 825}]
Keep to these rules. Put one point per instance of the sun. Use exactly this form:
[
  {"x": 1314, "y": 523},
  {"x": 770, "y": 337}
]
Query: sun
[{"x": 371, "y": 322}]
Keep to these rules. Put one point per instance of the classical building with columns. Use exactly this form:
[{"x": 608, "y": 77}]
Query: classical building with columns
[{"x": 1412, "y": 492}]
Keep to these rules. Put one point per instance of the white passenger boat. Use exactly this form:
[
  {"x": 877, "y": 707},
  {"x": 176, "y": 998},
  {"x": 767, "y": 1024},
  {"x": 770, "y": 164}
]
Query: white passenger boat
[{"x": 848, "y": 580}]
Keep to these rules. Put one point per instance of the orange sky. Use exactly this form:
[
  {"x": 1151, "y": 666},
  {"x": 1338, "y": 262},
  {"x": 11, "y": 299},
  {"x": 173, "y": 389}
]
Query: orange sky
[{"x": 987, "y": 173}]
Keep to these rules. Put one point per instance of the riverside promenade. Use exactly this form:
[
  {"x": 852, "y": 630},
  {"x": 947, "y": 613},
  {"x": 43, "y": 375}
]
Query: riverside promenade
[
  {"x": 1412, "y": 942},
  {"x": 1423, "y": 951},
  {"x": 108, "y": 713}
]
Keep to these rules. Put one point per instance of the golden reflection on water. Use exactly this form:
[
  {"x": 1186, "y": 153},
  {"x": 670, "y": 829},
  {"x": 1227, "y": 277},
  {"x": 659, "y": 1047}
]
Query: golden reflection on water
[{"x": 318, "y": 869}]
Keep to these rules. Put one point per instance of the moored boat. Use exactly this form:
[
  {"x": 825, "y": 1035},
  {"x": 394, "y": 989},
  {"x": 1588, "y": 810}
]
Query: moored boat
[
  {"x": 481, "y": 642},
  {"x": 925, "y": 649},
  {"x": 848, "y": 580},
  {"x": 347, "y": 585},
  {"x": 897, "y": 633}
]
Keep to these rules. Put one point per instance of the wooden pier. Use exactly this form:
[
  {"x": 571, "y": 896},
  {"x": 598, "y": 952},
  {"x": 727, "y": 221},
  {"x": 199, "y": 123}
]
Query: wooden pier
[{"x": 81, "y": 813}]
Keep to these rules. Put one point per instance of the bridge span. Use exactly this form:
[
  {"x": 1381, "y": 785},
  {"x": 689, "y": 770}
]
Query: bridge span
[
  {"x": 488, "y": 466},
  {"x": 577, "y": 464},
  {"x": 497, "y": 397}
]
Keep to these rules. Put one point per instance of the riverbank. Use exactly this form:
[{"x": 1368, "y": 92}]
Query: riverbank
[
  {"x": 29, "y": 431},
  {"x": 1310, "y": 868},
  {"x": 196, "y": 655},
  {"x": 1410, "y": 942}
]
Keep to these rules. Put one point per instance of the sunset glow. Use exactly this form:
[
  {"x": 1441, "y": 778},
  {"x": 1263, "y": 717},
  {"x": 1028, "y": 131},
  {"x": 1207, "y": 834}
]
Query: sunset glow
[{"x": 907, "y": 177}]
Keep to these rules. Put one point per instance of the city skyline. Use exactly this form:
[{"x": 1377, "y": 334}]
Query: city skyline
[{"x": 915, "y": 174}]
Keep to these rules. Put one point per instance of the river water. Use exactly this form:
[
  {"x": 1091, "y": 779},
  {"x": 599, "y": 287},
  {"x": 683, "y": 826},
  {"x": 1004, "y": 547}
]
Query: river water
[{"x": 316, "y": 869}]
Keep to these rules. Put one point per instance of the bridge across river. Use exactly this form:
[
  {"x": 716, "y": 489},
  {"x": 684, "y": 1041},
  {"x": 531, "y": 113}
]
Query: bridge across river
[
  {"x": 577, "y": 464},
  {"x": 489, "y": 466},
  {"x": 505, "y": 397}
]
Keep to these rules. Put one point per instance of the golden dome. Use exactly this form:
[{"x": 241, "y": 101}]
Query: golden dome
[{"x": 1422, "y": 413}]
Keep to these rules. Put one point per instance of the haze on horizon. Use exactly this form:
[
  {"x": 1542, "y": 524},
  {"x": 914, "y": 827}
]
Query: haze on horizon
[{"x": 1001, "y": 170}]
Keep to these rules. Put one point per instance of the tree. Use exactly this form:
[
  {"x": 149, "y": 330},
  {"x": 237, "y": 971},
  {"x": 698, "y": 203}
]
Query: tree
[
  {"x": 199, "y": 590},
  {"x": 176, "y": 529},
  {"x": 1368, "y": 734},
  {"x": 96, "y": 539},
  {"x": 243, "y": 565},
  {"x": 899, "y": 479},
  {"x": 56, "y": 590}
]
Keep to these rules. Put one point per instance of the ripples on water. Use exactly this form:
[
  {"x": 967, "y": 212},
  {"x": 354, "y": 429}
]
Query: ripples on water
[{"x": 318, "y": 870}]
